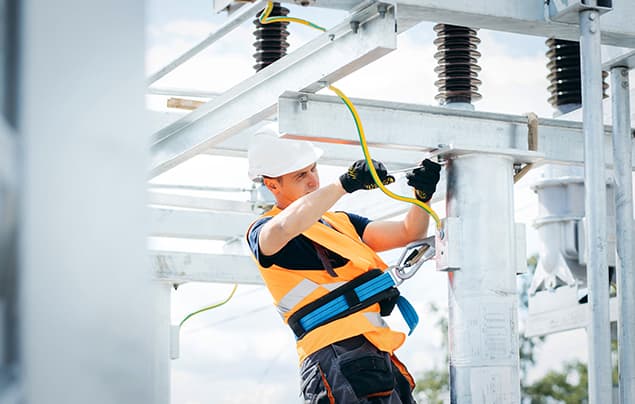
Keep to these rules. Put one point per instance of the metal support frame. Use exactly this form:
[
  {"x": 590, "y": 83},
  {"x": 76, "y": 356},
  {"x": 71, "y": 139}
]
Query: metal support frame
[
  {"x": 598, "y": 331},
  {"x": 334, "y": 154},
  {"x": 157, "y": 198},
  {"x": 396, "y": 127},
  {"x": 196, "y": 224},
  {"x": 179, "y": 267},
  {"x": 624, "y": 220},
  {"x": 521, "y": 17},
  {"x": 484, "y": 363},
  {"x": 325, "y": 59},
  {"x": 244, "y": 14},
  {"x": 617, "y": 57},
  {"x": 482, "y": 300}
]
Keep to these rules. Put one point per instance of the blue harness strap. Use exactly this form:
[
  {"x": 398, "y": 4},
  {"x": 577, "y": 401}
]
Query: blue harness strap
[{"x": 342, "y": 302}]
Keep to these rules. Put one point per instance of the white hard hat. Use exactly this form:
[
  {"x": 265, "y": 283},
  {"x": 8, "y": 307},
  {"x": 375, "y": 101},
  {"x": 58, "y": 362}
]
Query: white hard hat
[{"x": 272, "y": 156}]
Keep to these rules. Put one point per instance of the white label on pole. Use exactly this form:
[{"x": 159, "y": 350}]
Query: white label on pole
[
  {"x": 493, "y": 385},
  {"x": 484, "y": 333}
]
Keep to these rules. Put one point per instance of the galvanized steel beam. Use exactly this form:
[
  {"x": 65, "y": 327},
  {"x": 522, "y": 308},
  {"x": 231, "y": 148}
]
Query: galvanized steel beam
[
  {"x": 420, "y": 128},
  {"x": 521, "y": 17},
  {"x": 334, "y": 154},
  {"x": 178, "y": 267},
  {"x": 624, "y": 232},
  {"x": 198, "y": 224},
  {"x": 197, "y": 202},
  {"x": 598, "y": 330},
  {"x": 617, "y": 57},
  {"x": 482, "y": 297}
]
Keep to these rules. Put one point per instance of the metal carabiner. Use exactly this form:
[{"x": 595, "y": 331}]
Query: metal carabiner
[{"x": 413, "y": 256}]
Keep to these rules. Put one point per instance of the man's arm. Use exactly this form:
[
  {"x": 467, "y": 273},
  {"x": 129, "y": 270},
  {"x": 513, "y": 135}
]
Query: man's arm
[
  {"x": 305, "y": 211},
  {"x": 297, "y": 217},
  {"x": 386, "y": 235}
]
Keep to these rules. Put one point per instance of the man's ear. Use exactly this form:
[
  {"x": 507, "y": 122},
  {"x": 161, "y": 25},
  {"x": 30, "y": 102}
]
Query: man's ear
[{"x": 271, "y": 184}]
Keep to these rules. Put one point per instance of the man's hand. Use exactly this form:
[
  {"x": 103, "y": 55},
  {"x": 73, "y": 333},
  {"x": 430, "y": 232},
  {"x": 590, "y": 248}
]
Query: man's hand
[
  {"x": 424, "y": 179},
  {"x": 358, "y": 176}
]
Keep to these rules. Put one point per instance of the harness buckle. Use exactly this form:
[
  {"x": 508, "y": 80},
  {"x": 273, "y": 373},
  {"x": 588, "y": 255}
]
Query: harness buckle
[{"x": 413, "y": 256}]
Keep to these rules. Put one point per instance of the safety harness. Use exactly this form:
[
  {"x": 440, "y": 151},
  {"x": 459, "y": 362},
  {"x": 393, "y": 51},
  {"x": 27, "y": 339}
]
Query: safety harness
[{"x": 374, "y": 286}]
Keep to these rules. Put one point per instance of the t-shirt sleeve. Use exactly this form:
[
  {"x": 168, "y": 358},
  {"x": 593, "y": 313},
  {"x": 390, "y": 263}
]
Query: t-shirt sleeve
[
  {"x": 359, "y": 222},
  {"x": 252, "y": 240}
]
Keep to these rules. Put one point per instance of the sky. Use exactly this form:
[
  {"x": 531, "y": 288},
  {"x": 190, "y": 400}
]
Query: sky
[{"x": 241, "y": 352}]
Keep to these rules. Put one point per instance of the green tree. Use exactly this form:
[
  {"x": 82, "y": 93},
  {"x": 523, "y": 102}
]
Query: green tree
[{"x": 567, "y": 386}]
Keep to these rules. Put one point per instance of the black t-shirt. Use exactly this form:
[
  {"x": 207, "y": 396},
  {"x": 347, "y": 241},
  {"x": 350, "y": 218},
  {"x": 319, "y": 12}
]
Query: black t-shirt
[{"x": 299, "y": 252}]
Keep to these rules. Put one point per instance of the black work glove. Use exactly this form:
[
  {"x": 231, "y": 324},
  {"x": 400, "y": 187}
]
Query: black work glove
[
  {"x": 424, "y": 179},
  {"x": 358, "y": 176}
]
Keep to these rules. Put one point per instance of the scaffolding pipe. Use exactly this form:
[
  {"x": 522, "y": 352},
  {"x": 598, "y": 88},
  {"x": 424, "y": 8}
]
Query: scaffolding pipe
[
  {"x": 624, "y": 217},
  {"x": 598, "y": 331},
  {"x": 482, "y": 298}
]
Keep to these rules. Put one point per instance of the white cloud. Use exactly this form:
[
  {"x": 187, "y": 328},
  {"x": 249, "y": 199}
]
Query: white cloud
[{"x": 194, "y": 29}]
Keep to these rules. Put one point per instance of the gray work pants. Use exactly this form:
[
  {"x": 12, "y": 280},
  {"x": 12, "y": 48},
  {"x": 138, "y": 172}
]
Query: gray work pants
[{"x": 354, "y": 371}]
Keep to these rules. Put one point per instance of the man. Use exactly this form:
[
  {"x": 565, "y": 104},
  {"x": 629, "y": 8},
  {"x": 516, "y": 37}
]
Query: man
[{"x": 313, "y": 260}]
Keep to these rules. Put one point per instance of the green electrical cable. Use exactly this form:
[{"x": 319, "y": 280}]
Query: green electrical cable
[{"x": 210, "y": 307}]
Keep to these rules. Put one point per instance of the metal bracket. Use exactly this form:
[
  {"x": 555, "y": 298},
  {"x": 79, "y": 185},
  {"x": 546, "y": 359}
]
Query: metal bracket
[
  {"x": 448, "y": 245},
  {"x": 568, "y": 11},
  {"x": 444, "y": 152}
]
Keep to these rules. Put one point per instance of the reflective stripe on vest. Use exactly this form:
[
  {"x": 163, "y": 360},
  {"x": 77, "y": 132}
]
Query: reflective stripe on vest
[{"x": 300, "y": 292}]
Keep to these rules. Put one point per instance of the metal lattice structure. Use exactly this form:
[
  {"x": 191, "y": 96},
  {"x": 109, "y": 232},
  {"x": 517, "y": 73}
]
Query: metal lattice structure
[{"x": 54, "y": 251}]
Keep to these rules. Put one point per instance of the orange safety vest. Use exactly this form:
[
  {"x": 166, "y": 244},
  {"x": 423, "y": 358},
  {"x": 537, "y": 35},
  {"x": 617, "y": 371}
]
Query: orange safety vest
[{"x": 294, "y": 289}]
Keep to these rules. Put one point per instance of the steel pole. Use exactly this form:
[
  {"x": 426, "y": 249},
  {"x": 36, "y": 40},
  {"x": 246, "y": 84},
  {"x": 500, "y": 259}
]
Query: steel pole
[
  {"x": 9, "y": 365},
  {"x": 598, "y": 331},
  {"x": 624, "y": 217},
  {"x": 87, "y": 297},
  {"x": 482, "y": 298}
]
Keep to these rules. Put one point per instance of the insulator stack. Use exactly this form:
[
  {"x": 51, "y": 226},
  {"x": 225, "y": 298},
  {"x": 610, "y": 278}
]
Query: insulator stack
[
  {"x": 565, "y": 79},
  {"x": 457, "y": 66},
  {"x": 271, "y": 39}
]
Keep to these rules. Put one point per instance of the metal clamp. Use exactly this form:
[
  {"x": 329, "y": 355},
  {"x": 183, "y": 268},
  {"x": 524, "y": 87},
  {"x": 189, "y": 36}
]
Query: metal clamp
[{"x": 413, "y": 256}]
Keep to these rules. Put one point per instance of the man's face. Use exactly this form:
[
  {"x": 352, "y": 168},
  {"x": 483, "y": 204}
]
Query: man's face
[{"x": 289, "y": 187}]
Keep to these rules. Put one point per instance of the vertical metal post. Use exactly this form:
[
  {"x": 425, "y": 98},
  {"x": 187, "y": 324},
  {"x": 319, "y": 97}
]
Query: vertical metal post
[
  {"x": 9, "y": 190},
  {"x": 595, "y": 205},
  {"x": 88, "y": 301},
  {"x": 9, "y": 382},
  {"x": 624, "y": 217},
  {"x": 482, "y": 298}
]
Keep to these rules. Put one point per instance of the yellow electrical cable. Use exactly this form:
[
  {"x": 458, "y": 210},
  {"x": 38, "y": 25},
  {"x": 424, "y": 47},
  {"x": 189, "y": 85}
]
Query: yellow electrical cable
[
  {"x": 362, "y": 141},
  {"x": 210, "y": 307},
  {"x": 265, "y": 19}
]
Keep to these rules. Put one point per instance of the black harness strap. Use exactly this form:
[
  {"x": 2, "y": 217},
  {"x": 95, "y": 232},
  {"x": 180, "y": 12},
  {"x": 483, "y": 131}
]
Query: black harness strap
[{"x": 386, "y": 298}]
